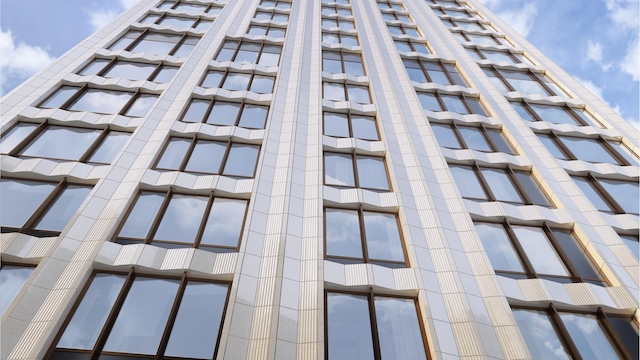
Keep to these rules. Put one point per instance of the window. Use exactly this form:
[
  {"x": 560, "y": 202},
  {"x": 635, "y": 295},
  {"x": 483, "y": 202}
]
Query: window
[
  {"x": 467, "y": 25},
  {"x": 350, "y": 125},
  {"x": 245, "y": 52},
  {"x": 339, "y": 2},
  {"x": 553, "y": 114},
  {"x": 525, "y": 82},
  {"x": 336, "y": 11},
  {"x": 586, "y": 149},
  {"x": 39, "y": 208},
  {"x": 497, "y": 56},
  {"x": 236, "y": 81},
  {"x": 551, "y": 334},
  {"x": 457, "y": 13},
  {"x": 12, "y": 279},
  {"x": 223, "y": 113},
  {"x": 278, "y": 4},
  {"x": 482, "y": 40},
  {"x": 478, "y": 138},
  {"x": 156, "y": 43},
  {"x": 412, "y": 46},
  {"x": 191, "y": 8},
  {"x": 337, "y": 62},
  {"x": 209, "y": 157},
  {"x": 394, "y": 324},
  {"x": 498, "y": 184},
  {"x": 355, "y": 236},
  {"x": 272, "y": 16},
  {"x": 63, "y": 143},
  {"x": 460, "y": 104},
  {"x": 610, "y": 196},
  {"x": 177, "y": 21},
  {"x": 339, "y": 38},
  {"x": 172, "y": 220},
  {"x": 348, "y": 170},
  {"x": 346, "y": 92},
  {"x": 400, "y": 30},
  {"x": 130, "y": 70},
  {"x": 100, "y": 101},
  {"x": 524, "y": 252},
  {"x": 392, "y": 16},
  {"x": 423, "y": 71},
  {"x": 387, "y": 5},
  {"x": 266, "y": 30},
  {"x": 342, "y": 24},
  {"x": 125, "y": 316}
]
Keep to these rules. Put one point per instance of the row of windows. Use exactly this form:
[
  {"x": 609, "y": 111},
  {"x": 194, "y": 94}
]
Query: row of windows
[
  {"x": 224, "y": 113},
  {"x": 156, "y": 43},
  {"x": 177, "y": 21},
  {"x": 525, "y": 82},
  {"x": 482, "y": 40},
  {"x": 498, "y": 56},
  {"x": 460, "y": 104},
  {"x": 336, "y": 11},
  {"x": 190, "y": 8},
  {"x": 132, "y": 315},
  {"x": 76, "y": 98},
  {"x": 349, "y": 170},
  {"x": 342, "y": 24},
  {"x": 467, "y": 25},
  {"x": 270, "y": 30},
  {"x": 586, "y": 149},
  {"x": 456, "y": 13},
  {"x": 423, "y": 71},
  {"x": 339, "y": 38},
  {"x": 342, "y": 62},
  {"x": 272, "y": 15},
  {"x": 130, "y": 70},
  {"x": 233, "y": 81},
  {"x": 346, "y": 92},
  {"x": 246, "y": 52},
  {"x": 480, "y": 138},
  {"x": 610, "y": 196}
]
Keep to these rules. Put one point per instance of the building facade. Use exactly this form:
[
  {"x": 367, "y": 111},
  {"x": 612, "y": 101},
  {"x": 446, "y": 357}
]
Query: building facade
[{"x": 393, "y": 179}]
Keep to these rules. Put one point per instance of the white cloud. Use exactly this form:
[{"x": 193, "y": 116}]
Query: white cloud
[
  {"x": 128, "y": 3},
  {"x": 19, "y": 61},
  {"x": 98, "y": 18},
  {"x": 594, "y": 52},
  {"x": 631, "y": 61},
  {"x": 491, "y": 3},
  {"x": 521, "y": 20},
  {"x": 624, "y": 13},
  {"x": 595, "y": 90}
]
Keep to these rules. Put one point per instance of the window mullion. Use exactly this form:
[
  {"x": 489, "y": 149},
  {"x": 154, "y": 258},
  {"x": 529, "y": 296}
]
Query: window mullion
[
  {"x": 225, "y": 157},
  {"x": 374, "y": 325},
  {"x": 562, "y": 147},
  {"x": 363, "y": 235},
  {"x": 609, "y": 330},
  {"x": 440, "y": 101},
  {"x": 187, "y": 154},
  {"x": 575, "y": 275},
  {"x": 96, "y": 143},
  {"x": 155, "y": 72},
  {"x": 129, "y": 102},
  {"x": 113, "y": 315},
  {"x": 354, "y": 167},
  {"x": 44, "y": 206},
  {"x": 203, "y": 222},
  {"x": 614, "y": 153},
  {"x": 41, "y": 128},
  {"x": 159, "y": 215},
  {"x": 483, "y": 182},
  {"x": 457, "y": 134},
  {"x": 164, "y": 340},
  {"x": 530, "y": 270},
  {"x": 73, "y": 98},
  {"x": 604, "y": 194},
  {"x": 563, "y": 333}
]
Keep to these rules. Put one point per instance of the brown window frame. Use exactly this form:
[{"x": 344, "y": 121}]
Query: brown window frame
[
  {"x": 444, "y": 68},
  {"x": 241, "y": 42},
  {"x": 277, "y": 3},
  {"x": 532, "y": 75},
  {"x": 614, "y": 207},
  {"x": 272, "y": 13},
  {"x": 335, "y": 8},
  {"x": 213, "y": 101},
  {"x": 114, "y": 61},
  {"x": 402, "y": 27},
  {"x": 340, "y": 34},
  {"x": 354, "y": 157},
  {"x": 410, "y": 42},
  {"x": 464, "y": 98},
  {"x": 345, "y": 86},
  {"x": 454, "y": 24},
  {"x": 225, "y": 74},
  {"x": 341, "y": 53},
  {"x": 268, "y": 27},
  {"x": 176, "y": 2},
  {"x": 484, "y": 131},
  {"x": 499, "y": 41},
  {"x": 390, "y": 5},
  {"x": 606, "y": 146},
  {"x": 480, "y": 52},
  {"x": 571, "y": 111},
  {"x": 349, "y": 114}
]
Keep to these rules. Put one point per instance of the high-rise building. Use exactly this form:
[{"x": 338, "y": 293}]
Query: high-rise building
[{"x": 337, "y": 179}]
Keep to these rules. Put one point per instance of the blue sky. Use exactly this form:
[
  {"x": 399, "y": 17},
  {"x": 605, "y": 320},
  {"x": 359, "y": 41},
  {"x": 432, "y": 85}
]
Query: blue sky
[{"x": 596, "y": 41}]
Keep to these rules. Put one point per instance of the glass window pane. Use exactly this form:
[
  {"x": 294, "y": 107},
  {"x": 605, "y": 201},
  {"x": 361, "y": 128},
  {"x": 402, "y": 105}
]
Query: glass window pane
[
  {"x": 94, "y": 67},
  {"x": 627, "y": 333},
  {"x": 498, "y": 247},
  {"x": 632, "y": 244},
  {"x": 501, "y": 185},
  {"x": 474, "y": 138},
  {"x": 269, "y": 59},
  {"x": 626, "y": 194},
  {"x": 364, "y": 127},
  {"x": 253, "y": 116},
  {"x": 372, "y": 173},
  {"x": 203, "y": 24},
  {"x": 383, "y": 237},
  {"x": 539, "y": 250},
  {"x": 223, "y": 113},
  {"x": 166, "y": 74},
  {"x": 236, "y": 81},
  {"x": 429, "y": 101},
  {"x": 130, "y": 70},
  {"x": 61, "y": 143},
  {"x": 476, "y": 106},
  {"x": 14, "y": 136},
  {"x": 195, "y": 331},
  {"x": 343, "y": 233},
  {"x": 142, "y": 215},
  {"x": 334, "y": 92},
  {"x": 20, "y": 199},
  {"x": 354, "y": 68},
  {"x": 110, "y": 147},
  {"x": 206, "y": 157},
  {"x": 213, "y": 78},
  {"x": 257, "y": 30},
  {"x": 348, "y": 327},
  {"x": 349, "y": 40},
  {"x": 224, "y": 225},
  {"x": 552, "y": 147},
  {"x": 156, "y": 45},
  {"x": 241, "y": 160},
  {"x": 88, "y": 320},
  {"x": 12, "y": 279},
  {"x": 262, "y": 84},
  {"x": 174, "y": 154},
  {"x": 398, "y": 329},
  {"x": 454, "y": 104},
  {"x": 143, "y": 317},
  {"x": 467, "y": 182},
  {"x": 359, "y": 94},
  {"x": 196, "y": 111},
  {"x": 588, "y": 150},
  {"x": 101, "y": 101},
  {"x": 336, "y": 125},
  {"x": 59, "y": 97},
  {"x": 576, "y": 254},
  {"x": 330, "y": 38},
  {"x": 527, "y": 86},
  {"x": 446, "y": 136},
  {"x": 332, "y": 66},
  {"x": 541, "y": 337},
  {"x": 553, "y": 114},
  {"x": 588, "y": 336},
  {"x": 499, "y": 141},
  {"x": 182, "y": 219},
  {"x": 141, "y": 105},
  {"x": 176, "y": 21},
  {"x": 59, "y": 214},
  {"x": 338, "y": 170},
  {"x": 531, "y": 188},
  {"x": 590, "y": 193},
  {"x": 246, "y": 56},
  {"x": 403, "y": 46}
]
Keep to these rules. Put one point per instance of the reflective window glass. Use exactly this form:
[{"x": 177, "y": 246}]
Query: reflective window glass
[{"x": 12, "y": 279}]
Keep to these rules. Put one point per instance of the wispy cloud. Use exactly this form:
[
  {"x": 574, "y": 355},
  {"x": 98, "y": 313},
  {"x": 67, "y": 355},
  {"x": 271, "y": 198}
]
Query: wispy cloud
[
  {"x": 589, "y": 85},
  {"x": 98, "y": 18},
  {"x": 20, "y": 60},
  {"x": 521, "y": 20},
  {"x": 631, "y": 61},
  {"x": 594, "y": 52},
  {"x": 624, "y": 12}
]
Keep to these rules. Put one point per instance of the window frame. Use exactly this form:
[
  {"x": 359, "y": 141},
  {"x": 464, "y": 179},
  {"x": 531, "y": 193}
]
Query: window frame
[
  {"x": 499, "y": 41},
  {"x": 186, "y": 36},
  {"x": 470, "y": 14},
  {"x": 443, "y": 68},
  {"x": 269, "y": 26},
  {"x": 275, "y": 5},
  {"x": 272, "y": 13},
  {"x": 161, "y": 17},
  {"x": 483, "y": 130},
  {"x": 454, "y": 24},
  {"x": 370, "y": 295},
  {"x": 226, "y": 73},
  {"x": 42, "y": 128},
  {"x": 177, "y": 2},
  {"x": 539, "y": 79},
  {"x": 614, "y": 207},
  {"x": 345, "y": 87},
  {"x": 529, "y": 271},
  {"x": 339, "y": 35},
  {"x": 341, "y": 53},
  {"x": 411, "y": 43},
  {"x": 114, "y": 61},
  {"x": 579, "y": 121},
  {"x": 335, "y": 7},
  {"x": 564, "y": 336},
  {"x": 354, "y": 160},
  {"x": 564, "y": 149},
  {"x": 513, "y": 56},
  {"x": 129, "y": 278},
  {"x": 259, "y": 53},
  {"x": 339, "y": 20},
  {"x": 212, "y": 103},
  {"x": 390, "y": 5},
  {"x": 189, "y": 152},
  {"x": 402, "y": 27},
  {"x": 17, "y": 265},
  {"x": 463, "y": 98},
  {"x": 511, "y": 174},
  {"x": 149, "y": 239},
  {"x": 349, "y": 115}
]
